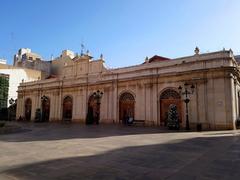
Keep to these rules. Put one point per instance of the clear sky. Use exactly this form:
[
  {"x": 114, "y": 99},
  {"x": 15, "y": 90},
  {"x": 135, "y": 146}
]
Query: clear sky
[{"x": 125, "y": 31}]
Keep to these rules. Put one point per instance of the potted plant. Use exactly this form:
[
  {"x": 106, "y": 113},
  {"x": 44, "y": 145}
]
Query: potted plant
[{"x": 38, "y": 115}]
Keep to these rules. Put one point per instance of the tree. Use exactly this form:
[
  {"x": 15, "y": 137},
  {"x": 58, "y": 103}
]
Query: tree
[
  {"x": 4, "y": 85},
  {"x": 173, "y": 119}
]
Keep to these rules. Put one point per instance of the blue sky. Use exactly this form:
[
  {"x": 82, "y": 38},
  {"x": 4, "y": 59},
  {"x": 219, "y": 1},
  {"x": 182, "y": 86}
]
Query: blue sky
[{"x": 125, "y": 31}]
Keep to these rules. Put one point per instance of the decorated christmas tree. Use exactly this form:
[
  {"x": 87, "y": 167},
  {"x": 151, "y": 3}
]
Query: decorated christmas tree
[{"x": 173, "y": 119}]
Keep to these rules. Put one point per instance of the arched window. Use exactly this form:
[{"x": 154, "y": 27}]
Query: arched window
[
  {"x": 170, "y": 94},
  {"x": 67, "y": 108},
  {"x": 126, "y": 107},
  {"x": 28, "y": 109}
]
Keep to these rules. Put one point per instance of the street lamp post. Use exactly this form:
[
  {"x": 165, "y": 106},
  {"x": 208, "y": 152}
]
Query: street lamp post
[
  {"x": 43, "y": 99},
  {"x": 186, "y": 92},
  {"x": 10, "y": 109},
  {"x": 98, "y": 96},
  {"x": 11, "y": 101}
]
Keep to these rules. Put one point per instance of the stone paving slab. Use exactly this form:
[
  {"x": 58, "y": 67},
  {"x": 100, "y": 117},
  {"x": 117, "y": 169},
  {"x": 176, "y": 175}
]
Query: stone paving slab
[{"x": 73, "y": 151}]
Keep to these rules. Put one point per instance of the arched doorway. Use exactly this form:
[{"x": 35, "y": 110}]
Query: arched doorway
[
  {"x": 45, "y": 109},
  {"x": 126, "y": 107},
  {"x": 67, "y": 108},
  {"x": 93, "y": 114},
  {"x": 28, "y": 109},
  {"x": 167, "y": 98}
]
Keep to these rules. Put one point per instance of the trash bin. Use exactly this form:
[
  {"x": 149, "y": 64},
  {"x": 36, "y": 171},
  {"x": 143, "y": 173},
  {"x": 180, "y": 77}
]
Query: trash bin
[{"x": 199, "y": 127}]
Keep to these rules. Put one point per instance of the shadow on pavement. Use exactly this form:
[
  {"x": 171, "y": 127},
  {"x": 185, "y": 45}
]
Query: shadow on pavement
[
  {"x": 197, "y": 158},
  {"x": 58, "y": 131}
]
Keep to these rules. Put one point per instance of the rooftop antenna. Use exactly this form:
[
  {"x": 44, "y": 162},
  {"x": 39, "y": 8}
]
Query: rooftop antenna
[
  {"x": 88, "y": 53},
  {"x": 146, "y": 59},
  {"x": 82, "y": 49},
  {"x": 101, "y": 57},
  {"x": 197, "y": 50},
  {"x": 51, "y": 57},
  {"x": 12, "y": 38}
]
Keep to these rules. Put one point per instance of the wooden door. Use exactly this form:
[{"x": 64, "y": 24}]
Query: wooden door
[
  {"x": 93, "y": 115},
  {"x": 126, "y": 107},
  {"x": 67, "y": 108},
  {"x": 28, "y": 109},
  {"x": 45, "y": 109}
]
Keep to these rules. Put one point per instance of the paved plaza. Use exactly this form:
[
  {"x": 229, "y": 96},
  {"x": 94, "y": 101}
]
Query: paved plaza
[{"x": 74, "y": 151}]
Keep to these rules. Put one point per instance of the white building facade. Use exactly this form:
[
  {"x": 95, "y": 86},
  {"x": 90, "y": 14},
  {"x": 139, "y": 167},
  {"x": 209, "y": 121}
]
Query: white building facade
[{"x": 17, "y": 76}]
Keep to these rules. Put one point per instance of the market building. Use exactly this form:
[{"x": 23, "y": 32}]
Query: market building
[{"x": 85, "y": 89}]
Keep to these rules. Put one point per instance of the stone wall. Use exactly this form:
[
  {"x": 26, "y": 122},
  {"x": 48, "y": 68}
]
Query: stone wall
[{"x": 214, "y": 102}]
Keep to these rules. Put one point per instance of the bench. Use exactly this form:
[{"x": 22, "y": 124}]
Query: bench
[{"x": 139, "y": 122}]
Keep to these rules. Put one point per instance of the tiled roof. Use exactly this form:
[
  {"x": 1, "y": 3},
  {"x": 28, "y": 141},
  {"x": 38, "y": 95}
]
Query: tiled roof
[
  {"x": 51, "y": 76},
  {"x": 157, "y": 58}
]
